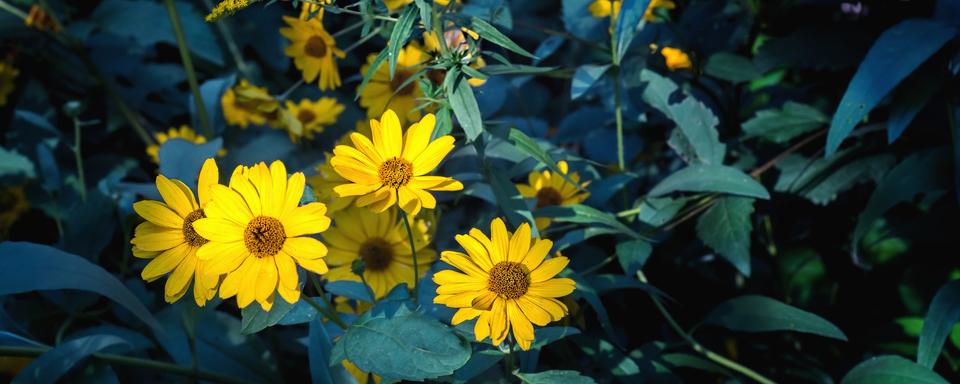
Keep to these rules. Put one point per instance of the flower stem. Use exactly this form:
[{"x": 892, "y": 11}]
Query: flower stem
[
  {"x": 617, "y": 103},
  {"x": 733, "y": 365},
  {"x": 231, "y": 43},
  {"x": 362, "y": 40},
  {"x": 413, "y": 248},
  {"x": 329, "y": 312},
  {"x": 13, "y": 10},
  {"x": 79, "y": 158},
  {"x": 188, "y": 67}
]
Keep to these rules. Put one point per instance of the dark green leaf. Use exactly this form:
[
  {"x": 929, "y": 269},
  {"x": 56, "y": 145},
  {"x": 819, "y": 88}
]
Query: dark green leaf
[
  {"x": 585, "y": 77},
  {"x": 909, "y": 98},
  {"x": 582, "y": 214},
  {"x": 53, "y": 364},
  {"x": 726, "y": 228},
  {"x": 820, "y": 180},
  {"x": 779, "y": 125},
  {"x": 319, "y": 350},
  {"x": 255, "y": 319},
  {"x": 944, "y": 312},
  {"x": 630, "y": 16},
  {"x": 731, "y": 67},
  {"x": 753, "y": 313},
  {"x": 657, "y": 211},
  {"x": 632, "y": 255},
  {"x": 491, "y": 34},
  {"x": 426, "y": 13},
  {"x": 511, "y": 203},
  {"x": 13, "y": 164},
  {"x": 465, "y": 108},
  {"x": 891, "y": 370},
  {"x": 711, "y": 178},
  {"x": 398, "y": 36},
  {"x": 696, "y": 122},
  {"x": 554, "y": 377},
  {"x": 530, "y": 147},
  {"x": 515, "y": 69},
  {"x": 377, "y": 61}
]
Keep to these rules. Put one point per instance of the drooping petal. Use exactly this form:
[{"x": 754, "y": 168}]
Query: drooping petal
[{"x": 166, "y": 262}]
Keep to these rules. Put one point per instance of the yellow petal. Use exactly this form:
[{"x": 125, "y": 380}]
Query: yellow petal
[
  {"x": 534, "y": 312},
  {"x": 181, "y": 276},
  {"x": 306, "y": 220},
  {"x": 391, "y": 137},
  {"x": 461, "y": 262},
  {"x": 345, "y": 190},
  {"x": 158, "y": 213},
  {"x": 536, "y": 253},
  {"x": 248, "y": 283},
  {"x": 432, "y": 155},
  {"x": 294, "y": 193},
  {"x": 228, "y": 204},
  {"x": 278, "y": 173},
  {"x": 219, "y": 230},
  {"x": 552, "y": 288},
  {"x": 174, "y": 196},
  {"x": 519, "y": 243},
  {"x": 408, "y": 201},
  {"x": 481, "y": 330},
  {"x": 304, "y": 248},
  {"x": 365, "y": 146},
  {"x": 418, "y": 137},
  {"x": 287, "y": 271},
  {"x": 498, "y": 322},
  {"x": 209, "y": 176},
  {"x": 164, "y": 263},
  {"x": 453, "y": 277},
  {"x": 158, "y": 240},
  {"x": 522, "y": 329},
  {"x": 464, "y": 314},
  {"x": 317, "y": 266},
  {"x": 267, "y": 281},
  {"x": 476, "y": 250},
  {"x": 548, "y": 269},
  {"x": 500, "y": 239}
]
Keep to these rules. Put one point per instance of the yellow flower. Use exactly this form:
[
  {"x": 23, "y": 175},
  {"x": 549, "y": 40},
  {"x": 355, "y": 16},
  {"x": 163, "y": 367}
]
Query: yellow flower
[
  {"x": 444, "y": 2},
  {"x": 675, "y": 58},
  {"x": 392, "y": 169},
  {"x": 308, "y": 9},
  {"x": 313, "y": 50},
  {"x": 170, "y": 239},
  {"x": 602, "y": 8},
  {"x": 257, "y": 231},
  {"x": 394, "y": 5},
  {"x": 246, "y": 104},
  {"x": 227, "y": 8},
  {"x": 505, "y": 282},
  {"x": 381, "y": 241},
  {"x": 40, "y": 20},
  {"x": 550, "y": 188},
  {"x": 13, "y": 203},
  {"x": 312, "y": 116},
  {"x": 381, "y": 93},
  {"x": 184, "y": 132},
  {"x": 8, "y": 81}
]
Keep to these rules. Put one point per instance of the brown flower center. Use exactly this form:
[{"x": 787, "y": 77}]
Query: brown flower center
[
  {"x": 264, "y": 236},
  {"x": 509, "y": 279},
  {"x": 189, "y": 234},
  {"x": 306, "y": 116},
  {"x": 547, "y": 197},
  {"x": 315, "y": 46},
  {"x": 376, "y": 254},
  {"x": 399, "y": 78},
  {"x": 395, "y": 172}
]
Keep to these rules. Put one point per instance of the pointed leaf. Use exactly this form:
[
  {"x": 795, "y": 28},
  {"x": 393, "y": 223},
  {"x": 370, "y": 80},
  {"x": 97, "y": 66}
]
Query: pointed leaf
[
  {"x": 753, "y": 313},
  {"x": 726, "y": 228},
  {"x": 711, "y": 178}
]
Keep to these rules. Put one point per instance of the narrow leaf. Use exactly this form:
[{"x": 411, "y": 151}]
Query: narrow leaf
[
  {"x": 465, "y": 108},
  {"x": 491, "y": 34},
  {"x": 753, "y": 313},
  {"x": 399, "y": 34},
  {"x": 944, "y": 312},
  {"x": 711, "y": 178},
  {"x": 891, "y": 369}
]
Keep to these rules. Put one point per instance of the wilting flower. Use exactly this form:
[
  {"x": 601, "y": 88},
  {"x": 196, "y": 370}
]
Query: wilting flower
[
  {"x": 313, "y": 50},
  {"x": 551, "y": 188},
  {"x": 40, "y": 20},
  {"x": 258, "y": 234},
  {"x": 603, "y": 8},
  {"x": 311, "y": 116},
  {"x": 184, "y": 133},
  {"x": 675, "y": 58},
  {"x": 171, "y": 241},
  {"x": 392, "y": 168},
  {"x": 8, "y": 81},
  {"x": 505, "y": 282},
  {"x": 400, "y": 93},
  {"x": 246, "y": 104},
  {"x": 381, "y": 242}
]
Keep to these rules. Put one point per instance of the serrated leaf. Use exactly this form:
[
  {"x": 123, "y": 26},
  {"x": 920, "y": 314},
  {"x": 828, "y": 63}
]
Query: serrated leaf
[
  {"x": 493, "y": 35},
  {"x": 891, "y": 370},
  {"x": 731, "y": 67},
  {"x": 821, "y": 180},
  {"x": 726, "y": 228},
  {"x": 710, "y": 178},
  {"x": 943, "y": 314},
  {"x": 779, "y": 125},
  {"x": 694, "y": 120},
  {"x": 754, "y": 313},
  {"x": 398, "y": 36},
  {"x": 554, "y": 377},
  {"x": 465, "y": 108}
]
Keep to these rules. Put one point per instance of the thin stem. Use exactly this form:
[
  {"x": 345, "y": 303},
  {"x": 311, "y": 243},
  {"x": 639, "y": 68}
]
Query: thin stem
[
  {"x": 188, "y": 67},
  {"x": 79, "y": 158},
  {"x": 413, "y": 248},
  {"x": 130, "y": 361},
  {"x": 286, "y": 94},
  {"x": 336, "y": 9},
  {"x": 733, "y": 365},
  {"x": 362, "y": 40},
  {"x": 329, "y": 312},
  {"x": 231, "y": 44},
  {"x": 348, "y": 29},
  {"x": 617, "y": 103},
  {"x": 13, "y": 10}
]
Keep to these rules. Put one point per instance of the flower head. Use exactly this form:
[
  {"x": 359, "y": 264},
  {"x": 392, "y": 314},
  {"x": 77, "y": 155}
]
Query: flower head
[
  {"x": 245, "y": 104},
  {"x": 313, "y": 10},
  {"x": 675, "y": 58},
  {"x": 505, "y": 282},
  {"x": 184, "y": 133},
  {"x": 309, "y": 116},
  {"x": 258, "y": 234},
  {"x": 551, "y": 188},
  {"x": 399, "y": 93},
  {"x": 603, "y": 8},
  {"x": 171, "y": 241},
  {"x": 313, "y": 50},
  {"x": 8, "y": 81},
  {"x": 392, "y": 168}
]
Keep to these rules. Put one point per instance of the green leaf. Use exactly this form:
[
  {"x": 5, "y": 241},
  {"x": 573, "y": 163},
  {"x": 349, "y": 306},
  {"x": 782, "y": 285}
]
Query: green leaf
[
  {"x": 657, "y": 211},
  {"x": 398, "y": 36},
  {"x": 696, "y": 122},
  {"x": 753, "y": 313},
  {"x": 585, "y": 77},
  {"x": 493, "y": 35},
  {"x": 909, "y": 99},
  {"x": 658, "y": 90},
  {"x": 554, "y": 377},
  {"x": 516, "y": 69},
  {"x": 821, "y": 180},
  {"x": 630, "y": 16},
  {"x": 254, "y": 319},
  {"x": 944, "y": 312},
  {"x": 405, "y": 346},
  {"x": 53, "y": 364},
  {"x": 377, "y": 61},
  {"x": 583, "y": 214},
  {"x": 181, "y": 159},
  {"x": 21, "y": 263},
  {"x": 526, "y": 144},
  {"x": 511, "y": 203},
  {"x": 632, "y": 255},
  {"x": 726, "y": 228},
  {"x": 891, "y": 370},
  {"x": 710, "y": 178},
  {"x": 779, "y": 125},
  {"x": 895, "y": 54},
  {"x": 465, "y": 108},
  {"x": 15, "y": 164},
  {"x": 732, "y": 67},
  {"x": 426, "y": 13},
  {"x": 319, "y": 350}
]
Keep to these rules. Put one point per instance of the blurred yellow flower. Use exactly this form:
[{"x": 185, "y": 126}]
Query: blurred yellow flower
[
  {"x": 313, "y": 50},
  {"x": 381, "y": 242},
  {"x": 258, "y": 235},
  {"x": 171, "y": 241},
  {"x": 13, "y": 203},
  {"x": 444, "y": 2},
  {"x": 675, "y": 59},
  {"x": 392, "y": 168},
  {"x": 312, "y": 116},
  {"x": 400, "y": 93},
  {"x": 394, "y": 5},
  {"x": 245, "y": 104},
  {"x": 184, "y": 132},
  {"x": 602, "y": 8},
  {"x": 550, "y": 188},
  {"x": 504, "y": 280},
  {"x": 313, "y": 9},
  {"x": 8, "y": 81}
]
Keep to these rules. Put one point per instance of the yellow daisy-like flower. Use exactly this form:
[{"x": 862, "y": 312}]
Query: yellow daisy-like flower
[
  {"x": 258, "y": 234},
  {"x": 675, "y": 58},
  {"x": 394, "y": 5},
  {"x": 312, "y": 116},
  {"x": 170, "y": 239},
  {"x": 603, "y": 8},
  {"x": 8, "y": 81},
  {"x": 382, "y": 93},
  {"x": 393, "y": 167},
  {"x": 550, "y": 188},
  {"x": 381, "y": 241},
  {"x": 245, "y": 104},
  {"x": 504, "y": 282},
  {"x": 184, "y": 132},
  {"x": 313, "y": 50},
  {"x": 327, "y": 178}
]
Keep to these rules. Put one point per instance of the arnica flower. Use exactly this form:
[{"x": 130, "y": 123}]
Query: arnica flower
[
  {"x": 602, "y": 8},
  {"x": 313, "y": 50},
  {"x": 13, "y": 203},
  {"x": 381, "y": 242},
  {"x": 392, "y": 168},
  {"x": 394, "y": 5},
  {"x": 505, "y": 282},
  {"x": 258, "y": 235},
  {"x": 675, "y": 59},
  {"x": 245, "y": 104},
  {"x": 327, "y": 178},
  {"x": 227, "y": 8},
  {"x": 551, "y": 188},
  {"x": 8, "y": 81},
  {"x": 40, "y": 20},
  {"x": 400, "y": 93},
  {"x": 312, "y": 116},
  {"x": 184, "y": 132},
  {"x": 171, "y": 241}
]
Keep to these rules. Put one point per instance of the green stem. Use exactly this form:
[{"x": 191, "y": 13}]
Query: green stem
[
  {"x": 188, "y": 67},
  {"x": 617, "y": 103},
  {"x": 413, "y": 248},
  {"x": 362, "y": 40},
  {"x": 130, "y": 361},
  {"x": 79, "y": 158},
  {"x": 329, "y": 312},
  {"x": 231, "y": 44},
  {"x": 716, "y": 358},
  {"x": 335, "y": 9},
  {"x": 13, "y": 10}
]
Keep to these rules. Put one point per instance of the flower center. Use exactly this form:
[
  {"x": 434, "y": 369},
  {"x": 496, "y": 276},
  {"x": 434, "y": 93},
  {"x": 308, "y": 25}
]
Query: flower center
[
  {"x": 509, "y": 279},
  {"x": 399, "y": 78},
  {"x": 395, "y": 172},
  {"x": 189, "y": 234},
  {"x": 547, "y": 197},
  {"x": 376, "y": 254},
  {"x": 315, "y": 46},
  {"x": 264, "y": 236},
  {"x": 306, "y": 116}
]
